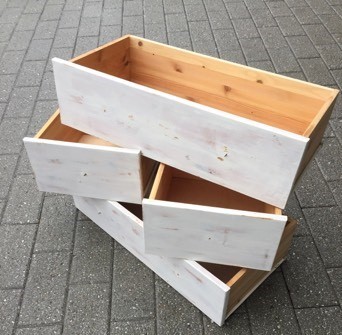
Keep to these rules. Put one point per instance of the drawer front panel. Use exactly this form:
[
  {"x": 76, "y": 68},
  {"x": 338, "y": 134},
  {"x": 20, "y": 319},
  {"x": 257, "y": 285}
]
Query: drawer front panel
[
  {"x": 86, "y": 170},
  {"x": 211, "y": 234},
  {"x": 189, "y": 278},
  {"x": 249, "y": 157}
]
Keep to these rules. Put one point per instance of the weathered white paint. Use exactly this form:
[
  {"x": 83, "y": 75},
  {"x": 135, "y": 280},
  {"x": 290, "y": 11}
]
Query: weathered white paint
[
  {"x": 86, "y": 170},
  {"x": 189, "y": 278},
  {"x": 211, "y": 234},
  {"x": 246, "y": 156}
]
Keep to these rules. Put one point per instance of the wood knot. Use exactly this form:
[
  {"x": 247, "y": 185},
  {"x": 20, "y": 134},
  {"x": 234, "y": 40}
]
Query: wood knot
[
  {"x": 178, "y": 69},
  {"x": 259, "y": 81},
  {"x": 227, "y": 88},
  {"x": 140, "y": 43}
]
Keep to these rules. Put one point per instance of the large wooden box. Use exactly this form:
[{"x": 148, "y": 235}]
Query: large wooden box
[
  {"x": 217, "y": 290},
  {"x": 246, "y": 129}
]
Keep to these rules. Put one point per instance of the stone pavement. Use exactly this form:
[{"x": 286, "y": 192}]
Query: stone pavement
[{"x": 59, "y": 273}]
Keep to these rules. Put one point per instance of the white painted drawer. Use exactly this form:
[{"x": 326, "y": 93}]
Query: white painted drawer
[
  {"x": 236, "y": 126},
  {"x": 216, "y": 290},
  {"x": 68, "y": 161},
  {"x": 192, "y": 218}
]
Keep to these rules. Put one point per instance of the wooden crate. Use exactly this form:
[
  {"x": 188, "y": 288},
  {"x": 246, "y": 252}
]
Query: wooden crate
[
  {"x": 246, "y": 129},
  {"x": 68, "y": 161},
  {"x": 192, "y": 218},
  {"x": 217, "y": 290}
]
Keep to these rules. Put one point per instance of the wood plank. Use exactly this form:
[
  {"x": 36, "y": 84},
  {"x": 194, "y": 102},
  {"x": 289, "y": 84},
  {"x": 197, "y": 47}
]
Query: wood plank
[
  {"x": 212, "y": 234},
  {"x": 86, "y": 169},
  {"x": 238, "y": 153},
  {"x": 190, "y": 279}
]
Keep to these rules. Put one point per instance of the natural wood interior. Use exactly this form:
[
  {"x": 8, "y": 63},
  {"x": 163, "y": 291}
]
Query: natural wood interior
[
  {"x": 171, "y": 184},
  {"x": 274, "y": 100}
]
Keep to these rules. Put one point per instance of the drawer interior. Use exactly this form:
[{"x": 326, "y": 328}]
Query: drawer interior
[
  {"x": 274, "y": 100},
  {"x": 174, "y": 185}
]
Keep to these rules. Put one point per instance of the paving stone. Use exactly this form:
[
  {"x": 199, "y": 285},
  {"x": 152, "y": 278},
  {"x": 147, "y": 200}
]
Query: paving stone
[
  {"x": 6, "y": 84},
  {"x": 180, "y": 39},
  {"x": 133, "y": 296},
  {"x": 336, "y": 280},
  {"x": 2, "y": 109},
  {"x": 202, "y": 38},
  {"x": 92, "y": 256},
  {"x": 328, "y": 132},
  {"x": 39, "y": 50},
  {"x": 6, "y": 30},
  {"x": 10, "y": 15},
  {"x": 133, "y": 8},
  {"x": 255, "y": 4},
  {"x": 263, "y": 17},
  {"x": 112, "y": 16},
  {"x": 320, "y": 7},
  {"x": 320, "y": 321},
  {"x": 27, "y": 22},
  {"x": 81, "y": 216},
  {"x": 318, "y": 34},
  {"x": 176, "y": 22},
  {"x": 44, "y": 330},
  {"x": 175, "y": 314},
  {"x": 289, "y": 26},
  {"x": 235, "y": 56},
  {"x": 336, "y": 124},
  {"x": 237, "y": 10},
  {"x": 324, "y": 224},
  {"x": 84, "y": 44},
  {"x": 24, "y": 201},
  {"x": 332, "y": 22},
  {"x": 92, "y": 9},
  {"x": 9, "y": 306},
  {"x": 3, "y": 46},
  {"x": 66, "y": 38},
  {"x": 74, "y": 4},
  {"x": 35, "y": 6},
  {"x": 302, "y": 47},
  {"x": 47, "y": 89},
  {"x": 265, "y": 65},
  {"x": 221, "y": 20},
  {"x": 311, "y": 190},
  {"x": 132, "y": 25},
  {"x": 51, "y": 13},
  {"x": 138, "y": 327},
  {"x": 173, "y": 6},
  {"x": 236, "y": 324},
  {"x": 226, "y": 40},
  {"x": 332, "y": 55},
  {"x": 24, "y": 166},
  {"x": 270, "y": 310},
  {"x": 316, "y": 71},
  {"x": 63, "y": 53},
  {"x": 70, "y": 19},
  {"x": 11, "y": 133},
  {"x": 156, "y": 32},
  {"x": 329, "y": 159},
  {"x": 273, "y": 38},
  {"x": 45, "y": 30},
  {"x": 284, "y": 60},
  {"x": 254, "y": 49},
  {"x": 296, "y": 3},
  {"x": 279, "y": 8},
  {"x": 214, "y": 5},
  {"x": 338, "y": 77},
  {"x": 87, "y": 309},
  {"x": 196, "y": 12},
  {"x": 152, "y": 14},
  {"x": 245, "y": 28},
  {"x": 56, "y": 224},
  {"x": 15, "y": 247},
  {"x": 20, "y": 40},
  {"x": 11, "y": 62},
  {"x": 305, "y": 15},
  {"x": 45, "y": 289},
  {"x": 31, "y": 73},
  {"x": 7, "y": 167},
  {"x": 108, "y": 34},
  {"x": 306, "y": 278}
]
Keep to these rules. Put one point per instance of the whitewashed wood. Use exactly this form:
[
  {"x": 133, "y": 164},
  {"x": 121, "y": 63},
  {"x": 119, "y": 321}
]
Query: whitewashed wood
[
  {"x": 246, "y": 156},
  {"x": 189, "y": 278},
  {"x": 211, "y": 234},
  {"x": 86, "y": 170}
]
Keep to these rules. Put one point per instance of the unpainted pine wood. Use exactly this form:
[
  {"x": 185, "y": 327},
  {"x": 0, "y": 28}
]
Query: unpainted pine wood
[{"x": 235, "y": 152}]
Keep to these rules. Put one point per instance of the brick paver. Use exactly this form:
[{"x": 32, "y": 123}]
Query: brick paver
[{"x": 59, "y": 273}]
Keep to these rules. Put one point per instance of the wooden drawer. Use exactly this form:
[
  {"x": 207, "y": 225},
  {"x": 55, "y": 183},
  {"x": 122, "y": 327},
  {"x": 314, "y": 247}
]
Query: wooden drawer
[
  {"x": 192, "y": 218},
  {"x": 246, "y": 129},
  {"x": 216, "y": 290},
  {"x": 65, "y": 160}
]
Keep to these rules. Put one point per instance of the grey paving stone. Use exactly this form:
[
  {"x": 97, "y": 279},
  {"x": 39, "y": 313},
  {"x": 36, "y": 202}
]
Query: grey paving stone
[
  {"x": 84, "y": 44},
  {"x": 27, "y": 22},
  {"x": 219, "y": 20},
  {"x": 66, "y": 38},
  {"x": 132, "y": 25},
  {"x": 6, "y": 85},
  {"x": 316, "y": 71},
  {"x": 20, "y": 40},
  {"x": 235, "y": 56},
  {"x": 255, "y": 4},
  {"x": 7, "y": 167},
  {"x": 45, "y": 30},
  {"x": 336, "y": 280},
  {"x": 312, "y": 191},
  {"x": 196, "y": 12},
  {"x": 332, "y": 55},
  {"x": 332, "y": 22},
  {"x": 87, "y": 309},
  {"x": 320, "y": 321},
  {"x": 305, "y": 15},
  {"x": 31, "y": 73},
  {"x": 272, "y": 37},
  {"x": 180, "y": 39},
  {"x": 92, "y": 256},
  {"x": 338, "y": 77},
  {"x": 35, "y": 6},
  {"x": 11, "y": 133},
  {"x": 22, "y": 102},
  {"x": 112, "y": 16},
  {"x": 296, "y": 3},
  {"x": 44, "y": 330},
  {"x": 279, "y": 8},
  {"x": 263, "y": 17},
  {"x": 45, "y": 289},
  {"x": 56, "y": 224},
  {"x": 81, "y": 216},
  {"x": 52, "y": 12},
  {"x": 2, "y": 109},
  {"x": 265, "y": 65},
  {"x": 10, "y": 15},
  {"x": 336, "y": 124},
  {"x": 226, "y": 40},
  {"x": 24, "y": 201},
  {"x": 70, "y": 19},
  {"x": 92, "y": 9},
  {"x": 63, "y": 53},
  {"x": 245, "y": 28},
  {"x": 176, "y": 22},
  {"x": 237, "y": 10},
  {"x": 156, "y": 32},
  {"x": 74, "y": 4},
  {"x": 133, "y": 8},
  {"x": 254, "y": 49},
  {"x": 214, "y": 5},
  {"x": 24, "y": 165},
  {"x": 11, "y": 62},
  {"x": 236, "y": 324},
  {"x": 152, "y": 14},
  {"x": 132, "y": 295},
  {"x": 328, "y": 132},
  {"x": 289, "y": 26},
  {"x": 3, "y": 46},
  {"x": 15, "y": 247},
  {"x": 6, "y": 30},
  {"x": 324, "y": 224},
  {"x": 47, "y": 89},
  {"x": 329, "y": 159},
  {"x": 202, "y": 38},
  {"x": 175, "y": 314},
  {"x": 306, "y": 278},
  {"x": 138, "y": 327},
  {"x": 320, "y": 7},
  {"x": 39, "y": 50},
  {"x": 284, "y": 60},
  {"x": 302, "y": 47},
  {"x": 318, "y": 34},
  {"x": 9, "y": 306},
  {"x": 173, "y": 6},
  {"x": 109, "y": 33},
  {"x": 270, "y": 310}
]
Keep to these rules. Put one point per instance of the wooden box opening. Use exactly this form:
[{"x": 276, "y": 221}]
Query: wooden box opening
[{"x": 174, "y": 185}]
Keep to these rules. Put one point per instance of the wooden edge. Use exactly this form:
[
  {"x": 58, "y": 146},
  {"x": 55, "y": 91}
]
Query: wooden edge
[
  {"x": 161, "y": 182},
  {"x": 47, "y": 124},
  {"x": 150, "y": 182}
]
